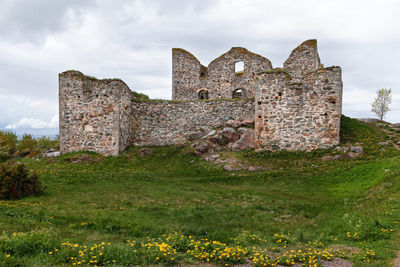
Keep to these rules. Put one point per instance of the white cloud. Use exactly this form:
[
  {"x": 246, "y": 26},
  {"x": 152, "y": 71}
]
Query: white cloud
[{"x": 34, "y": 123}]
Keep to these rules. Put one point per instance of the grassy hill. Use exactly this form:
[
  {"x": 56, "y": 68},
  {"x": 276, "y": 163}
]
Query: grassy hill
[{"x": 175, "y": 207}]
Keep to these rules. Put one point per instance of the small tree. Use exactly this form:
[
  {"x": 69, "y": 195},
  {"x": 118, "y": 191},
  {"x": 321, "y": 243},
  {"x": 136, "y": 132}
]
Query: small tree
[{"x": 381, "y": 103}]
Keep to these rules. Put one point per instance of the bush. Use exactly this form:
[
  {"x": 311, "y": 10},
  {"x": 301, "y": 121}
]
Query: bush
[
  {"x": 47, "y": 143},
  {"x": 16, "y": 181},
  {"x": 27, "y": 143},
  {"x": 8, "y": 142}
]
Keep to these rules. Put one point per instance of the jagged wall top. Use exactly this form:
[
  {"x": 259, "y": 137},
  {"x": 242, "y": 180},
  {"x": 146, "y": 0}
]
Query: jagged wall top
[
  {"x": 303, "y": 59},
  {"x": 220, "y": 79}
]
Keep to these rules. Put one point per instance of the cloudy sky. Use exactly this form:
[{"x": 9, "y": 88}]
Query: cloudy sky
[{"x": 132, "y": 40}]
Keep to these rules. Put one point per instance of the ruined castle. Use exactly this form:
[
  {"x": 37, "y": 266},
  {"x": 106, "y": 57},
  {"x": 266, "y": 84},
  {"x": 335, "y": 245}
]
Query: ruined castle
[{"x": 297, "y": 107}]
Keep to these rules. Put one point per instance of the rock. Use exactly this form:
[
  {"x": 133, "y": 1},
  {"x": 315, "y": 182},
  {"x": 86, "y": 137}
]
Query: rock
[
  {"x": 201, "y": 149},
  {"x": 209, "y": 134},
  {"x": 356, "y": 149},
  {"x": 229, "y": 135},
  {"x": 51, "y": 153},
  {"x": 233, "y": 123},
  {"x": 246, "y": 140},
  {"x": 230, "y": 168},
  {"x": 353, "y": 155},
  {"x": 254, "y": 168},
  {"x": 195, "y": 135},
  {"x": 212, "y": 158},
  {"x": 216, "y": 139},
  {"x": 328, "y": 158},
  {"x": 383, "y": 143},
  {"x": 247, "y": 123}
]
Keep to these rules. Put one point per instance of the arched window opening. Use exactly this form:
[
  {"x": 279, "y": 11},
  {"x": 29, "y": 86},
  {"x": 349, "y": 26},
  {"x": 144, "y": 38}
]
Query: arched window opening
[
  {"x": 238, "y": 93},
  {"x": 239, "y": 67},
  {"x": 203, "y": 94}
]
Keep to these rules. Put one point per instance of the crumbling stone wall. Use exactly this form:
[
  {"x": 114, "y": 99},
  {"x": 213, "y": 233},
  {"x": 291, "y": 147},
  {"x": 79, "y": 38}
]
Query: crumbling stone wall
[
  {"x": 168, "y": 122},
  {"x": 94, "y": 114},
  {"x": 299, "y": 107},
  {"x": 219, "y": 79}
]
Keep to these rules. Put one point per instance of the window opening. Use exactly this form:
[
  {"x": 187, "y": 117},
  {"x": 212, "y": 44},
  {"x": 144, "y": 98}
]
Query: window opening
[{"x": 239, "y": 67}]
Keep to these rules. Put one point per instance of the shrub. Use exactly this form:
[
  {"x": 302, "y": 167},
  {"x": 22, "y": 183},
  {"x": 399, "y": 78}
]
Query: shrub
[
  {"x": 27, "y": 143},
  {"x": 16, "y": 181},
  {"x": 8, "y": 142},
  {"x": 47, "y": 143}
]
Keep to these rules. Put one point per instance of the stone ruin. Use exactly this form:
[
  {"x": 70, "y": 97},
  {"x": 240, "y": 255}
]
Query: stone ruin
[{"x": 297, "y": 107}]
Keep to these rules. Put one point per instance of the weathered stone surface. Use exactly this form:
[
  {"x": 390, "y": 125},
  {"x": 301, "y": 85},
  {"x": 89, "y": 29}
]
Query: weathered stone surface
[
  {"x": 328, "y": 158},
  {"x": 95, "y": 115},
  {"x": 230, "y": 168},
  {"x": 202, "y": 149},
  {"x": 247, "y": 123},
  {"x": 49, "y": 154},
  {"x": 353, "y": 155},
  {"x": 229, "y": 135},
  {"x": 246, "y": 141},
  {"x": 356, "y": 149},
  {"x": 233, "y": 123},
  {"x": 296, "y": 108},
  {"x": 383, "y": 143},
  {"x": 212, "y": 158},
  {"x": 299, "y": 108},
  {"x": 167, "y": 123},
  {"x": 195, "y": 136},
  {"x": 219, "y": 79}
]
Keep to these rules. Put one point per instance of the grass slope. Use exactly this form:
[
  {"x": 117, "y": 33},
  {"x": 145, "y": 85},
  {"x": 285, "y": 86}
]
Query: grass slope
[{"x": 300, "y": 199}]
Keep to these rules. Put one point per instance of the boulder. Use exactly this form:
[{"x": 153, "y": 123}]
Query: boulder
[
  {"x": 211, "y": 133},
  {"x": 247, "y": 123},
  {"x": 356, "y": 149},
  {"x": 195, "y": 135},
  {"x": 202, "y": 148},
  {"x": 246, "y": 140},
  {"x": 212, "y": 158},
  {"x": 228, "y": 135},
  {"x": 233, "y": 123}
]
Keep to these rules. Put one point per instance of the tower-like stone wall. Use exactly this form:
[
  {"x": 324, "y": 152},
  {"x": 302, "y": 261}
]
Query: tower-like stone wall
[
  {"x": 299, "y": 107},
  {"x": 219, "y": 79},
  {"x": 95, "y": 115}
]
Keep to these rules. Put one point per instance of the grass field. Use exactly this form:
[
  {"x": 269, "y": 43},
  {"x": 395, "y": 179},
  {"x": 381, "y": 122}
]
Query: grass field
[{"x": 174, "y": 207}]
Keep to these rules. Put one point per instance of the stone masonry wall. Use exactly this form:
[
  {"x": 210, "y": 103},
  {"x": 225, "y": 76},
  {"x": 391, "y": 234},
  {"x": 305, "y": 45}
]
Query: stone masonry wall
[
  {"x": 302, "y": 111},
  {"x": 157, "y": 123},
  {"x": 219, "y": 78},
  {"x": 94, "y": 114},
  {"x": 297, "y": 107},
  {"x": 302, "y": 60}
]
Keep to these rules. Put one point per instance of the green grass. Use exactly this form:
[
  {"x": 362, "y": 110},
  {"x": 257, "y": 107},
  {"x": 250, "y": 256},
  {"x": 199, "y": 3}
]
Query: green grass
[{"x": 342, "y": 202}]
